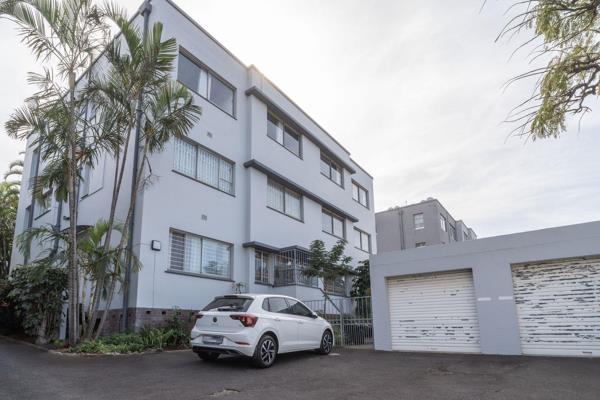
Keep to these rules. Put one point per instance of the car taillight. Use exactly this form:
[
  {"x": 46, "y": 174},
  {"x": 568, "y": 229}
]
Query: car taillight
[
  {"x": 199, "y": 315},
  {"x": 246, "y": 319}
]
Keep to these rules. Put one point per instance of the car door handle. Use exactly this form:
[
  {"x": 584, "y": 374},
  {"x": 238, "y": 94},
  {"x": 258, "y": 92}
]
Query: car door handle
[
  {"x": 277, "y": 319},
  {"x": 300, "y": 322}
]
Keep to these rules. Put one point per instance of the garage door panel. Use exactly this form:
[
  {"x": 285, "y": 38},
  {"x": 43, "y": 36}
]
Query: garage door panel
[
  {"x": 558, "y": 306},
  {"x": 434, "y": 312}
]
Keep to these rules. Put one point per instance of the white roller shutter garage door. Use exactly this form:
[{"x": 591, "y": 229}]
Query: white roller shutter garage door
[
  {"x": 558, "y": 306},
  {"x": 434, "y": 312}
]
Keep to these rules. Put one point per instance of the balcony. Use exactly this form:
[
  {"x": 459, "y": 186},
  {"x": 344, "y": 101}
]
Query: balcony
[{"x": 289, "y": 266}]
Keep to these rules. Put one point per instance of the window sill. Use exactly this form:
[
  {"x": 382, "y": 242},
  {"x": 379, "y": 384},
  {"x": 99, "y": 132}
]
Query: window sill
[
  {"x": 203, "y": 183},
  {"x": 341, "y": 186},
  {"x": 297, "y": 155},
  {"x": 42, "y": 214},
  {"x": 365, "y": 251},
  {"x": 358, "y": 202},
  {"x": 210, "y": 102},
  {"x": 335, "y": 236},
  {"x": 282, "y": 213},
  {"x": 85, "y": 196},
  {"x": 196, "y": 275}
]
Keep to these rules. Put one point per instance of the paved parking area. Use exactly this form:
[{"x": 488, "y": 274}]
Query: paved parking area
[{"x": 29, "y": 373}]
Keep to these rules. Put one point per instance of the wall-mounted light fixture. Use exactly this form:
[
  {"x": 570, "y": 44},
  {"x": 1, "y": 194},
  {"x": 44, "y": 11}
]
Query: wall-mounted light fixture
[{"x": 155, "y": 245}]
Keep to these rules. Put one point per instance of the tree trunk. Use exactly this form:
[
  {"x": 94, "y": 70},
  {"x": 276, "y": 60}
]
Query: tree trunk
[
  {"x": 73, "y": 288},
  {"x": 41, "y": 337}
]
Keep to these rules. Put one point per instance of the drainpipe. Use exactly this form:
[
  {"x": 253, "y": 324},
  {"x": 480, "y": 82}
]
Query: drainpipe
[
  {"x": 402, "y": 239},
  {"x": 145, "y": 10}
]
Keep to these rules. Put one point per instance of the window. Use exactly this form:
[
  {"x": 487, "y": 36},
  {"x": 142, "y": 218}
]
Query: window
[
  {"x": 206, "y": 84},
  {"x": 229, "y": 303},
  {"x": 466, "y": 236},
  {"x": 284, "y": 200},
  {"x": 360, "y": 194},
  {"x": 420, "y": 244},
  {"x": 332, "y": 171},
  {"x": 362, "y": 240},
  {"x": 278, "y": 305},
  {"x": 419, "y": 221},
  {"x": 200, "y": 255},
  {"x": 204, "y": 165},
  {"x": 332, "y": 224},
  {"x": 262, "y": 267},
  {"x": 453, "y": 233},
  {"x": 297, "y": 308},
  {"x": 35, "y": 165},
  {"x": 283, "y": 134},
  {"x": 443, "y": 223},
  {"x": 42, "y": 206}
]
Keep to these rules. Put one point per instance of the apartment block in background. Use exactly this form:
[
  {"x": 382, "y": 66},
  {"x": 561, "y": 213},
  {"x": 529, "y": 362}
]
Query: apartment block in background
[{"x": 417, "y": 225}]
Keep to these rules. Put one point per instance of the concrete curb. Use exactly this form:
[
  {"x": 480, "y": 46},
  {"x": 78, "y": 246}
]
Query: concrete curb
[{"x": 64, "y": 353}]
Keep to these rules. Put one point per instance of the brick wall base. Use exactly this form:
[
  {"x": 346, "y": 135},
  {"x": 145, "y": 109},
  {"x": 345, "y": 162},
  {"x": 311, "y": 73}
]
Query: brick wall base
[{"x": 139, "y": 318}]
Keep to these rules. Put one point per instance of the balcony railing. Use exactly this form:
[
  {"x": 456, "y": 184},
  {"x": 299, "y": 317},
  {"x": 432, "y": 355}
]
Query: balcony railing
[
  {"x": 292, "y": 275},
  {"x": 335, "y": 286}
]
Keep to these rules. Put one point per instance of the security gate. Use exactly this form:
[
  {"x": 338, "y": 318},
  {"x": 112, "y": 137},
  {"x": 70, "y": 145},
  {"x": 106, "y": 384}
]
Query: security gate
[{"x": 350, "y": 317}]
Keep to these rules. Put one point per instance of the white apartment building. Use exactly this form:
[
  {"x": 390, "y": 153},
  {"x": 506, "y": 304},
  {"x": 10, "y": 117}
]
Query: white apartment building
[{"x": 236, "y": 203}]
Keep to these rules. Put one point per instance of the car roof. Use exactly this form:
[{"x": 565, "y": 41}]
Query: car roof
[{"x": 258, "y": 295}]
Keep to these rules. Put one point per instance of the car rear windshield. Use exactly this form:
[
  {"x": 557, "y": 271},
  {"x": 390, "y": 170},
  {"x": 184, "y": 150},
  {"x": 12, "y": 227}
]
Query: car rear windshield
[{"x": 229, "y": 304}]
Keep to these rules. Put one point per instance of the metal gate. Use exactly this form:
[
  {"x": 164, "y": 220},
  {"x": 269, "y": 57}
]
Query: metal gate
[{"x": 350, "y": 317}]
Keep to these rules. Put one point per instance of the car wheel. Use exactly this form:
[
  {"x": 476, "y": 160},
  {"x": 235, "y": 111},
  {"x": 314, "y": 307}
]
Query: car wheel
[
  {"x": 265, "y": 352},
  {"x": 208, "y": 356},
  {"x": 326, "y": 343}
]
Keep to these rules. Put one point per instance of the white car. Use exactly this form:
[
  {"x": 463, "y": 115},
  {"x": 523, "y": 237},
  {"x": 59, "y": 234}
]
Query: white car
[{"x": 258, "y": 326}]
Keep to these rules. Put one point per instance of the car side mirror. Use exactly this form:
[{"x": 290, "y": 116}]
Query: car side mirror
[{"x": 314, "y": 315}]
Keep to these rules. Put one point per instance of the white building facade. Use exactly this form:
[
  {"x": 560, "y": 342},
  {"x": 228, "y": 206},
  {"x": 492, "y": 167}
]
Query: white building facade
[{"x": 238, "y": 202}]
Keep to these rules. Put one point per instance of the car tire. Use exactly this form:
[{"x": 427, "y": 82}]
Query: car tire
[
  {"x": 265, "y": 351},
  {"x": 208, "y": 356},
  {"x": 326, "y": 343}
]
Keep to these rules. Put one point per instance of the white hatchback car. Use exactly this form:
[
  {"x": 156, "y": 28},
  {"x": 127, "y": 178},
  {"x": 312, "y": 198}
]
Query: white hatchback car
[{"x": 258, "y": 326}]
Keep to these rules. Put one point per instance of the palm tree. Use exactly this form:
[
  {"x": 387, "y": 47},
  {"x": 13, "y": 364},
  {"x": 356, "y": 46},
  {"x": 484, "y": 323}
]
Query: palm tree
[
  {"x": 68, "y": 34},
  {"x": 9, "y": 200},
  {"x": 15, "y": 169},
  {"x": 136, "y": 93}
]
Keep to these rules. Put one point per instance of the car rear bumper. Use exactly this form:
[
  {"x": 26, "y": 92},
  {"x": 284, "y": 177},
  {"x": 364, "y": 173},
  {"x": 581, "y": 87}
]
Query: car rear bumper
[{"x": 233, "y": 343}]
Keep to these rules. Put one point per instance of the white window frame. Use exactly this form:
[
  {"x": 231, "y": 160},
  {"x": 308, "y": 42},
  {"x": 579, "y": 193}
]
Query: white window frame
[
  {"x": 285, "y": 190},
  {"x": 202, "y": 239},
  {"x": 329, "y": 175},
  {"x": 285, "y": 129},
  {"x": 358, "y": 188},
  {"x": 360, "y": 234},
  {"x": 196, "y": 176},
  {"x": 210, "y": 76},
  {"x": 443, "y": 223},
  {"x": 420, "y": 226},
  {"x": 265, "y": 276},
  {"x": 333, "y": 217}
]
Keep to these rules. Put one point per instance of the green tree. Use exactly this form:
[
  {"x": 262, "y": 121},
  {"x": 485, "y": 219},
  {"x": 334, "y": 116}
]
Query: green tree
[
  {"x": 566, "y": 33},
  {"x": 361, "y": 286},
  {"x": 9, "y": 201},
  {"x": 328, "y": 265},
  {"x": 66, "y": 35},
  {"x": 15, "y": 173},
  {"x": 136, "y": 93}
]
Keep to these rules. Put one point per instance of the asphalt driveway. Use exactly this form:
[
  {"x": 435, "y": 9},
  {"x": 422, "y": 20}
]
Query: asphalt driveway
[{"x": 29, "y": 373}]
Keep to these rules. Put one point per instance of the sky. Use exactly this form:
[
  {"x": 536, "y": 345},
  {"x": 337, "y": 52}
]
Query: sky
[{"x": 414, "y": 90}]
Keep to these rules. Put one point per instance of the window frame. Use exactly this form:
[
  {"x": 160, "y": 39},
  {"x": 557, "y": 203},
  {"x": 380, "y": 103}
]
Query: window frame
[
  {"x": 443, "y": 223},
  {"x": 360, "y": 233},
  {"x": 284, "y": 126},
  {"x": 330, "y": 162},
  {"x": 359, "y": 188},
  {"x": 420, "y": 227},
  {"x": 199, "y": 274},
  {"x": 210, "y": 75},
  {"x": 286, "y": 189},
  {"x": 420, "y": 244},
  {"x": 222, "y": 158},
  {"x": 333, "y": 216},
  {"x": 267, "y": 261}
]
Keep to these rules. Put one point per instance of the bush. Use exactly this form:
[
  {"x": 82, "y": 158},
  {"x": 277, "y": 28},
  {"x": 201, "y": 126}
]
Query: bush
[
  {"x": 173, "y": 333},
  {"x": 38, "y": 293}
]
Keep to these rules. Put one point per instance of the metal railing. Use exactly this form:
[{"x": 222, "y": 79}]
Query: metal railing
[
  {"x": 335, "y": 286},
  {"x": 290, "y": 275},
  {"x": 351, "y": 318}
]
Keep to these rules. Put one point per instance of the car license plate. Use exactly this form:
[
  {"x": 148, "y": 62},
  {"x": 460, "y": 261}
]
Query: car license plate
[{"x": 212, "y": 339}]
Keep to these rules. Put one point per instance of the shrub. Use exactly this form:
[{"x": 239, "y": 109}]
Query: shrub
[
  {"x": 38, "y": 293},
  {"x": 178, "y": 333}
]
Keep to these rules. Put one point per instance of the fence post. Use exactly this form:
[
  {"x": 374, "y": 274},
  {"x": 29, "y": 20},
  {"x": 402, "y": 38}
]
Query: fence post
[{"x": 342, "y": 328}]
